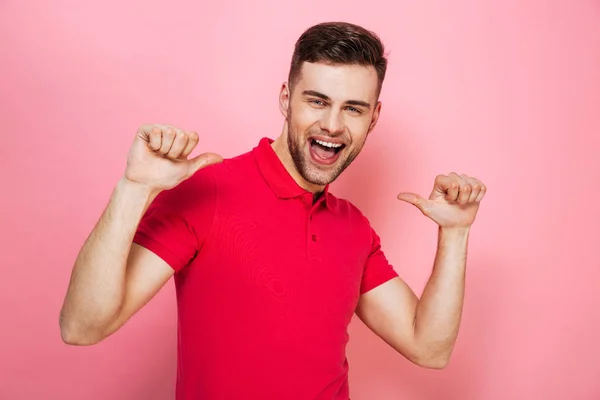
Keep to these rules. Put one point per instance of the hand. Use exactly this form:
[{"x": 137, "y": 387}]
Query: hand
[
  {"x": 158, "y": 157},
  {"x": 453, "y": 202}
]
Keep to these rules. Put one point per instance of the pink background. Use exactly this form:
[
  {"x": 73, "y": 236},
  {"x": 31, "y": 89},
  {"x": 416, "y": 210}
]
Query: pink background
[{"x": 507, "y": 91}]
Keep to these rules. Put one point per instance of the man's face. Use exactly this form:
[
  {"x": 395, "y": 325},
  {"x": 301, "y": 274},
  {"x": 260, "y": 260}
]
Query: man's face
[{"x": 331, "y": 111}]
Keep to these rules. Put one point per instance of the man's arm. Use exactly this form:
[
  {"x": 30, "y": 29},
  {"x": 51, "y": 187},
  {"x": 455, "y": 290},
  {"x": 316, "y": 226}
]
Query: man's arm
[
  {"x": 424, "y": 330},
  {"x": 112, "y": 278}
]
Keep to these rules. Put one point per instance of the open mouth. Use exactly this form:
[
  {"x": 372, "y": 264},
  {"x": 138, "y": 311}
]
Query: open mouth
[{"x": 325, "y": 152}]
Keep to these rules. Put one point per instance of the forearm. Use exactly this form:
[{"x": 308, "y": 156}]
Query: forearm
[
  {"x": 97, "y": 286},
  {"x": 439, "y": 310}
]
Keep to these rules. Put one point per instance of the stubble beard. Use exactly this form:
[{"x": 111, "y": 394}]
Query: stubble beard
[{"x": 308, "y": 171}]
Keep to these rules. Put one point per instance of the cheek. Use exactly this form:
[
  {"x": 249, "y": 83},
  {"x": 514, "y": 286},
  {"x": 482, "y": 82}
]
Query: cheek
[
  {"x": 358, "y": 128},
  {"x": 305, "y": 119}
]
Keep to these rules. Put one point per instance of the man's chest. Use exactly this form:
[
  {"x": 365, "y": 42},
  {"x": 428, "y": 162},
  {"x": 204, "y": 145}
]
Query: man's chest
[{"x": 292, "y": 257}]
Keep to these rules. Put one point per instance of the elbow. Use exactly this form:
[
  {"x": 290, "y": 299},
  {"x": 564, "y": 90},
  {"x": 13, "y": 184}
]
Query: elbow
[
  {"x": 433, "y": 359},
  {"x": 72, "y": 338},
  {"x": 73, "y": 334},
  {"x": 438, "y": 363}
]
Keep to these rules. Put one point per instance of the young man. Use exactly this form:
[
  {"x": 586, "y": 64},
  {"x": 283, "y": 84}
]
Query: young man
[{"x": 269, "y": 265}]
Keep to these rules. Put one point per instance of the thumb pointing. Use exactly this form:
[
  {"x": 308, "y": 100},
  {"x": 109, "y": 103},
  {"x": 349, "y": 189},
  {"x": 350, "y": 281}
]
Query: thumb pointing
[
  {"x": 204, "y": 160},
  {"x": 413, "y": 199}
]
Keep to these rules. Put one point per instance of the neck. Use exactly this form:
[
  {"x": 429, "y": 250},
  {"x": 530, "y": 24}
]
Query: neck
[{"x": 281, "y": 148}]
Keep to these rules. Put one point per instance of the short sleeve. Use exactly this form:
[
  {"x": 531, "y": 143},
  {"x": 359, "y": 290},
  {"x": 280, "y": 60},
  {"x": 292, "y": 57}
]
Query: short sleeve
[
  {"x": 377, "y": 269},
  {"x": 177, "y": 222}
]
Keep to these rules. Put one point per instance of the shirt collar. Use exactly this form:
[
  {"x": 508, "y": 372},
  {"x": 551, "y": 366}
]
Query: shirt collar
[{"x": 277, "y": 176}]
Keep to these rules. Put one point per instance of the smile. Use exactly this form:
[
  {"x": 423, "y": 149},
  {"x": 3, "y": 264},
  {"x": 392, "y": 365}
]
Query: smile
[
  {"x": 324, "y": 152},
  {"x": 328, "y": 144}
]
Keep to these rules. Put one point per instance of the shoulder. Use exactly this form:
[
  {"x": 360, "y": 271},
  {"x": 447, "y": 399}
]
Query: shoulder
[
  {"x": 349, "y": 209},
  {"x": 358, "y": 225},
  {"x": 230, "y": 168},
  {"x": 196, "y": 198},
  {"x": 355, "y": 220},
  {"x": 206, "y": 180}
]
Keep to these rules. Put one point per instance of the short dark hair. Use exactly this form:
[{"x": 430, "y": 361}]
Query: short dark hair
[{"x": 338, "y": 43}]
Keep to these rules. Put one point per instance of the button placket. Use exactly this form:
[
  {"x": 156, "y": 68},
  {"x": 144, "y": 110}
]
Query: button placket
[{"x": 312, "y": 236}]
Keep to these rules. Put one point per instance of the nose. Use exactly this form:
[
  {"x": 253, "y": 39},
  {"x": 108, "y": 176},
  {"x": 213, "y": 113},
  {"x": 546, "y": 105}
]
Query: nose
[{"x": 332, "y": 122}]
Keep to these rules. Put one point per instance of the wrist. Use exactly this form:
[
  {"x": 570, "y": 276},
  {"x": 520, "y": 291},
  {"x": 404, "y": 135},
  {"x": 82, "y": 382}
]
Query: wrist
[
  {"x": 461, "y": 232},
  {"x": 136, "y": 189}
]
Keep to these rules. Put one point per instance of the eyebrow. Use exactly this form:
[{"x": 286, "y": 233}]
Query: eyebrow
[{"x": 327, "y": 98}]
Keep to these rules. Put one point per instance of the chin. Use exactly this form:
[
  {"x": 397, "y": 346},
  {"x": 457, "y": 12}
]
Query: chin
[
  {"x": 319, "y": 171},
  {"x": 319, "y": 159},
  {"x": 317, "y": 178}
]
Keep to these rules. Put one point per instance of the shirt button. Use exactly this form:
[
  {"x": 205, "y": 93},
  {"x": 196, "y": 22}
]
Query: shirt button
[{"x": 314, "y": 238}]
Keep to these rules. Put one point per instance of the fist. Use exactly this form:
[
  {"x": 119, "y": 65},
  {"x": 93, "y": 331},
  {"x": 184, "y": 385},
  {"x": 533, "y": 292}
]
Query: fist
[
  {"x": 158, "y": 157},
  {"x": 453, "y": 202}
]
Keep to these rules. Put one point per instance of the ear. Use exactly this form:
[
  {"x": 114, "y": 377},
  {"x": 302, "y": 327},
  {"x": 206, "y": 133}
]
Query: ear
[
  {"x": 375, "y": 116},
  {"x": 284, "y": 99}
]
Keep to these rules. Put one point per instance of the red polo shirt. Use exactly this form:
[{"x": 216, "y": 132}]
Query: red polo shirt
[{"x": 267, "y": 282}]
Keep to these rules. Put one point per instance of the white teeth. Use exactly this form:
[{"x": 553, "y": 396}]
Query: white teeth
[{"x": 328, "y": 144}]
